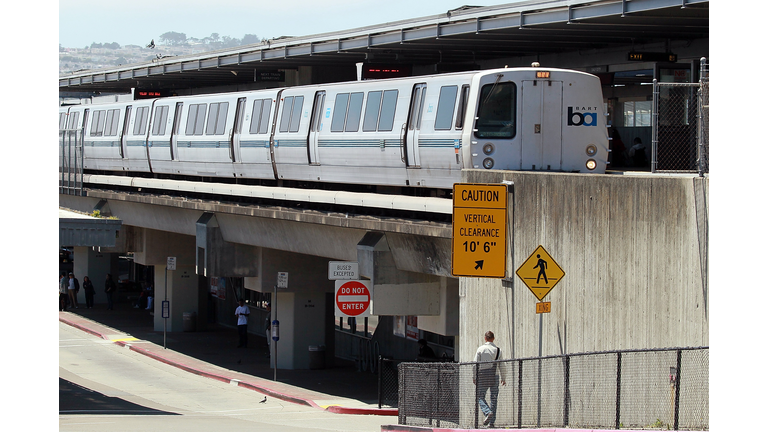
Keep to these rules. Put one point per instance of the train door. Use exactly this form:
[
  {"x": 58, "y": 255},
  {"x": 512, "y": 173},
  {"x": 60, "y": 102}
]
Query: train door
[
  {"x": 272, "y": 133},
  {"x": 315, "y": 126},
  {"x": 237, "y": 130},
  {"x": 542, "y": 134},
  {"x": 175, "y": 130},
  {"x": 414, "y": 125},
  {"x": 124, "y": 132}
]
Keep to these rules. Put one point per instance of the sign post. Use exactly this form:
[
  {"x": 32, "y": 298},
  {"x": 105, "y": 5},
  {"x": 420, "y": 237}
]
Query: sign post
[
  {"x": 479, "y": 243},
  {"x": 169, "y": 265},
  {"x": 282, "y": 283}
]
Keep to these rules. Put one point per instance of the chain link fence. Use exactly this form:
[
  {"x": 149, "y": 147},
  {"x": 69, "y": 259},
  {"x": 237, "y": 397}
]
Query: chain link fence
[
  {"x": 71, "y": 161},
  {"x": 664, "y": 389},
  {"x": 680, "y": 130}
]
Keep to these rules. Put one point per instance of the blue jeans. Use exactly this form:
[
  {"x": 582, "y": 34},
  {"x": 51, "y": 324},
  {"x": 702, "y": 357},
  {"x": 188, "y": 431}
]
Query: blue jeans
[{"x": 488, "y": 381}]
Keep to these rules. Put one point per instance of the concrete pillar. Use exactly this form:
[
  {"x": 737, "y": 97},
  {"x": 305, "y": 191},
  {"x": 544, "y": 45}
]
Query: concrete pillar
[
  {"x": 300, "y": 308},
  {"x": 95, "y": 265},
  {"x": 181, "y": 291},
  {"x": 152, "y": 248}
]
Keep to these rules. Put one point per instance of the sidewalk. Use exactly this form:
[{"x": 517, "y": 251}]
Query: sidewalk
[{"x": 213, "y": 354}]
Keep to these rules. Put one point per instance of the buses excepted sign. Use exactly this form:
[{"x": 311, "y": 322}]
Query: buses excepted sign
[
  {"x": 353, "y": 298},
  {"x": 479, "y": 244}
]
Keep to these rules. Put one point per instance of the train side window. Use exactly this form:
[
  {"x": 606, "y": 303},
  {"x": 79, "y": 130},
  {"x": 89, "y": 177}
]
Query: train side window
[
  {"x": 462, "y": 107},
  {"x": 445, "y": 105},
  {"x": 195, "y": 119},
  {"x": 217, "y": 118},
  {"x": 298, "y": 104},
  {"x": 112, "y": 122},
  {"x": 339, "y": 112},
  {"x": 158, "y": 123},
  {"x": 388, "y": 105},
  {"x": 285, "y": 116},
  {"x": 62, "y": 120},
  {"x": 74, "y": 118},
  {"x": 140, "y": 124},
  {"x": 264, "y": 123},
  {"x": 256, "y": 116},
  {"x": 372, "y": 107},
  {"x": 497, "y": 111},
  {"x": 353, "y": 112},
  {"x": 97, "y": 123}
]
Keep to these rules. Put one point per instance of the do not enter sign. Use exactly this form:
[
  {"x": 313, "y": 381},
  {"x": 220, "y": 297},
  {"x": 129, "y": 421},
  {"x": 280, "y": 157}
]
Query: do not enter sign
[{"x": 353, "y": 298}]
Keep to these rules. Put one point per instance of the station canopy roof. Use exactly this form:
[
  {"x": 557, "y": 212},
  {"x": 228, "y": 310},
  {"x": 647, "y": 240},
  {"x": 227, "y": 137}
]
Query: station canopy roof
[{"x": 461, "y": 36}]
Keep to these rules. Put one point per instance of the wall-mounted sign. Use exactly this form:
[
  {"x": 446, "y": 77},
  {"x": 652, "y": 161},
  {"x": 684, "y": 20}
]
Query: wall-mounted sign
[
  {"x": 652, "y": 57},
  {"x": 479, "y": 244},
  {"x": 276, "y": 76}
]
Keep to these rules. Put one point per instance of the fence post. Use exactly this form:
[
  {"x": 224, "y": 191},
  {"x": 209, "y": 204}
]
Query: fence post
[
  {"x": 477, "y": 391},
  {"x": 567, "y": 392},
  {"x": 618, "y": 390},
  {"x": 677, "y": 388},
  {"x": 655, "y": 126},
  {"x": 380, "y": 382},
  {"x": 520, "y": 395},
  {"x": 703, "y": 134}
]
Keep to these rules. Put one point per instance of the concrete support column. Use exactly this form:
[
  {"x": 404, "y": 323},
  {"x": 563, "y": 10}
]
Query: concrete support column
[
  {"x": 300, "y": 308},
  {"x": 181, "y": 291},
  {"x": 152, "y": 248},
  {"x": 95, "y": 265}
]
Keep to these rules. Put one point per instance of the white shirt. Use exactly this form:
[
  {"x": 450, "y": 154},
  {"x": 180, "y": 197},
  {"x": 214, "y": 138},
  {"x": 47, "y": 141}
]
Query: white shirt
[
  {"x": 242, "y": 319},
  {"x": 487, "y": 353}
]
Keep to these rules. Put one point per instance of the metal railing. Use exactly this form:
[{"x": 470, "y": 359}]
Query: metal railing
[
  {"x": 633, "y": 389},
  {"x": 71, "y": 161},
  {"x": 680, "y": 142}
]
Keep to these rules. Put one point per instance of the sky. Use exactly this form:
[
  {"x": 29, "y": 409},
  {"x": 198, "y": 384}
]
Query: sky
[{"x": 139, "y": 21}]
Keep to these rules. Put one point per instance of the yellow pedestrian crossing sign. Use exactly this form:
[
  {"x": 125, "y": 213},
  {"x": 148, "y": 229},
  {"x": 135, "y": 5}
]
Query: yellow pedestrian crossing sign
[{"x": 540, "y": 273}]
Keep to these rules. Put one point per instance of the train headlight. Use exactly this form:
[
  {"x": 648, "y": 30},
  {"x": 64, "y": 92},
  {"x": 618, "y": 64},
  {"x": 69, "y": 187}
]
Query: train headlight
[
  {"x": 488, "y": 149},
  {"x": 591, "y": 150},
  {"x": 591, "y": 164},
  {"x": 487, "y": 163}
]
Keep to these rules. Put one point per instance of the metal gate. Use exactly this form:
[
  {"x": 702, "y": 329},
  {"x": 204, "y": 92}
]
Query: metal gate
[{"x": 680, "y": 141}]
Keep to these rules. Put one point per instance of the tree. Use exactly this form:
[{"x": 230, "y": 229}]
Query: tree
[
  {"x": 250, "y": 39},
  {"x": 173, "y": 38}
]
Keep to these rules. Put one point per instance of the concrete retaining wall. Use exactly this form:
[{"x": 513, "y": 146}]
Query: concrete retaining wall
[{"x": 634, "y": 252}]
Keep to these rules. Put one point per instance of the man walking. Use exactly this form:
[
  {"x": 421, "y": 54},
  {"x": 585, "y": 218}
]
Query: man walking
[
  {"x": 242, "y": 313},
  {"x": 486, "y": 377}
]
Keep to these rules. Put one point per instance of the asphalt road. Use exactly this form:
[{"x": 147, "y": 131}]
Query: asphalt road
[{"x": 103, "y": 386}]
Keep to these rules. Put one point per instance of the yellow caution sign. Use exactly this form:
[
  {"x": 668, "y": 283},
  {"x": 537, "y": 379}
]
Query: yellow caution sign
[
  {"x": 479, "y": 244},
  {"x": 540, "y": 273}
]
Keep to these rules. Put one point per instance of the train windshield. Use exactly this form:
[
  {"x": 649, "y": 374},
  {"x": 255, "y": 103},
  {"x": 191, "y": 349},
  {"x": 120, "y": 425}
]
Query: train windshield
[{"x": 497, "y": 111}]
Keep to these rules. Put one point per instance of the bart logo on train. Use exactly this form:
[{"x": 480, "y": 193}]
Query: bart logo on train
[{"x": 576, "y": 118}]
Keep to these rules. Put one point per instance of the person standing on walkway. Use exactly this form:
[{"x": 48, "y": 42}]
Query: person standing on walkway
[
  {"x": 109, "y": 288},
  {"x": 242, "y": 313},
  {"x": 487, "y": 377},
  {"x": 72, "y": 288},
  {"x": 89, "y": 292},
  {"x": 63, "y": 294}
]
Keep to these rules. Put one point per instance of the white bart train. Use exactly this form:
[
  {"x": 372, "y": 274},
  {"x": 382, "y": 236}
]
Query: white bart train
[{"x": 405, "y": 132}]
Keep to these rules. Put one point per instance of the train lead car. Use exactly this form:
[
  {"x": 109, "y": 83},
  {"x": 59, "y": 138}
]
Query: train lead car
[{"x": 406, "y": 132}]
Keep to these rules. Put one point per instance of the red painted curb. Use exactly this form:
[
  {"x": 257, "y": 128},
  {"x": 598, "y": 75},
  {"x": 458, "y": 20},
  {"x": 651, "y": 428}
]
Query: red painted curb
[{"x": 260, "y": 389}]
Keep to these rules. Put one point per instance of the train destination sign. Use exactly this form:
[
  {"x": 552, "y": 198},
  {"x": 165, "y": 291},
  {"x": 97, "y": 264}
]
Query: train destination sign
[
  {"x": 479, "y": 244},
  {"x": 540, "y": 273}
]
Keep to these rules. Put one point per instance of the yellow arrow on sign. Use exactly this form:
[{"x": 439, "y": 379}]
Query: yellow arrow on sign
[{"x": 540, "y": 273}]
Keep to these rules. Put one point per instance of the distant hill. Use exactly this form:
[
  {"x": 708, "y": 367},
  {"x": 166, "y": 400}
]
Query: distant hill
[{"x": 107, "y": 55}]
